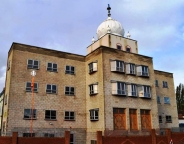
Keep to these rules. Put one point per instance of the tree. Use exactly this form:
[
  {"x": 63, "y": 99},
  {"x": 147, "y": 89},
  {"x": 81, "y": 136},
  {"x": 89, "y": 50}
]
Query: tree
[{"x": 180, "y": 97}]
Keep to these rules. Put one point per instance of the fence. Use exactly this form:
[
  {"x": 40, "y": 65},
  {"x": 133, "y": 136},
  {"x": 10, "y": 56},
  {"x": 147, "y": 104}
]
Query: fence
[{"x": 35, "y": 140}]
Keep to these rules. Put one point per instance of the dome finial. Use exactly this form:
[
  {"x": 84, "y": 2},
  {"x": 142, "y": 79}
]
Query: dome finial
[
  {"x": 109, "y": 12},
  {"x": 93, "y": 40}
]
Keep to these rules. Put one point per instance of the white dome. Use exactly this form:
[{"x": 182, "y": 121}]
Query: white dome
[{"x": 115, "y": 28}]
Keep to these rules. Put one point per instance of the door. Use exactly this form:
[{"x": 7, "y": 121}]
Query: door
[
  {"x": 119, "y": 118},
  {"x": 133, "y": 119},
  {"x": 145, "y": 119}
]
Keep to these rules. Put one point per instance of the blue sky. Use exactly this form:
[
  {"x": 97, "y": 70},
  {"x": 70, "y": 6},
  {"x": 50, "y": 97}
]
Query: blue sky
[{"x": 158, "y": 26}]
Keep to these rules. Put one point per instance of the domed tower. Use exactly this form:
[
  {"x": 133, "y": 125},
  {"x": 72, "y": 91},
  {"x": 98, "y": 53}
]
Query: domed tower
[{"x": 110, "y": 33}]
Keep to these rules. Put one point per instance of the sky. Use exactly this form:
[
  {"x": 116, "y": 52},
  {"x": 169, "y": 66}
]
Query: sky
[{"x": 158, "y": 26}]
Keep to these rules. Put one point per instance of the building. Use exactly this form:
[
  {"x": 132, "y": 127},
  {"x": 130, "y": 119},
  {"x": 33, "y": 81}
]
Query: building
[
  {"x": 1, "y": 108},
  {"x": 111, "y": 88}
]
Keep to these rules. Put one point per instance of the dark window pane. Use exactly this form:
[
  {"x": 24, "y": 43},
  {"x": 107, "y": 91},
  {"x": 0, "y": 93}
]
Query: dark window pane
[
  {"x": 49, "y": 64},
  {"x": 54, "y": 87},
  {"x": 48, "y": 87},
  {"x": 67, "y": 68},
  {"x": 72, "y": 89},
  {"x": 30, "y": 62},
  {"x": 67, "y": 114},
  {"x": 55, "y": 66},
  {"x": 67, "y": 89}
]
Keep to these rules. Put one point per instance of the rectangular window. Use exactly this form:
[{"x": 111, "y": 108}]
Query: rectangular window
[
  {"x": 165, "y": 84},
  {"x": 166, "y": 100},
  {"x": 71, "y": 138},
  {"x": 142, "y": 71},
  {"x": 168, "y": 119},
  {"x": 28, "y": 135},
  {"x": 50, "y": 114},
  {"x": 119, "y": 88},
  {"x": 119, "y": 118},
  {"x": 48, "y": 135},
  {"x": 29, "y": 114},
  {"x": 70, "y": 70},
  {"x": 93, "y": 142},
  {"x": 158, "y": 100},
  {"x": 51, "y": 88},
  {"x": 93, "y": 89},
  {"x": 33, "y": 64},
  {"x": 69, "y": 115},
  {"x": 144, "y": 91},
  {"x": 52, "y": 67},
  {"x": 118, "y": 47},
  {"x": 117, "y": 66},
  {"x": 92, "y": 67},
  {"x": 130, "y": 68},
  {"x": 94, "y": 114},
  {"x": 132, "y": 90},
  {"x": 29, "y": 87},
  {"x": 127, "y": 49},
  {"x": 160, "y": 118},
  {"x": 69, "y": 91},
  {"x": 156, "y": 83}
]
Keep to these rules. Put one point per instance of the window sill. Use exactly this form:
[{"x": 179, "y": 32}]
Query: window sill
[
  {"x": 29, "y": 119},
  {"x": 165, "y": 87},
  {"x": 50, "y": 119},
  {"x": 69, "y": 95},
  {"x": 158, "y": 103},
  {"x": 70, "y": 73},
  {"x": 92, "y": 72},
  {"x": 31, "y": 91},
  {"x": 167, "y": 103},
  {"x": 93, "y": 120},
  {"x": 131, "y": 74},
  {"x": 52, "y": 71},
  {"x": 119, "y": 95},
  {"x": 68, "y": 120},
  {"x": 51, "y": 93},
  {"x": 93, "y": 94},
  {"x": 116, "y": 71},
  {"x": 168, "y": 122},
  {"x": 34, "y": 68}
]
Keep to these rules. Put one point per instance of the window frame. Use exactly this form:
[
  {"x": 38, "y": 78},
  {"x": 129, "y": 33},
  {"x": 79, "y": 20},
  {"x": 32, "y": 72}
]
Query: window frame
[
  {"x": 49, "y": 135},
  {"x": 69, "y": 117},
  {"x": 156, "y": 83},
  {"x": 27, "y": 134},
  {"x": 73, "y": 136},
  {"x": 92, "y": 67},
  {"x": 119, "y": 46},
  {"x": 165, "y": 84},
  {"x": 33, "y": 65},
  {"x": 168, "y": 119},
  {"x": 30, "y": 114},
  {"x": 118, "y": 66},
  {"x": 29, "y": 89},
  {"x": 160, "y": 119},
  {"x": 50, "y": 115},
  {"x": 119, "y": 88},
  {"x": 158, "y": 100},
  {"x": 142, "y": 70},
  {"x": 166, "y": 100},
  {"x": 70, "y": 93},
  {"x": 52, "y": 69},
  {"x": 93, "y": 116},
  {"x": 144, "y": 89},
  {"x": 93, "y": 89},
  {"x": 51, "y": 90},
  {"x": 70, "y": 70}
]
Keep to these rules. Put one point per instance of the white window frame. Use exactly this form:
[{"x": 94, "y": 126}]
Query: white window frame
[
  {"x": 168, "y": 119},
  {"x": 70, "y": 92},
  {"x": 31, "y": 66},
  {"x": 29, "y": 89},
  {"x": 94, "y": 114},
  {"x": 119, "y": 88},
  {"x": 51, "y": 89},
  {"x": 167, "y": 100},
  {"x": 52, "y": 69},
  {"x": 92, "y": 67},
  {"x": 93, "y": 89},
  {"x": 117, "y": 66},
  {"x": 144, "y": 90},
  {"x": 70, "y": 71},
  {"x": 69, "y": 117},
  {"x": 132, "y": 90},
  {"x": 142, "y": 69}
]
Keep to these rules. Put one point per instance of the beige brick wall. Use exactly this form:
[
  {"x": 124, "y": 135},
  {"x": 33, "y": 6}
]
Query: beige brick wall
[
  {"x": 128, "y": 102},
  {"x": 166, "y": 109}
]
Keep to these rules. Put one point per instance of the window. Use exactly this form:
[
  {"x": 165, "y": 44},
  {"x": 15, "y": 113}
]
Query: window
[
  {"x": 165, "y": 84},
  {"x": 94, "y": 114},
  {"x": 160, "y": 118},
  {"x": 132, "y": 90},
  {"x": 93, "y": 142},
  {"x": 142, "y": 71},
  {"x": 70, "y": 70},
  {"x": 144, "y": 91},
  {"x": 118, "y": 88},
  {"x": 168, "y": 119},
  {"x": 28, "y": 134},
  {"x": 92, "y": 67},
  {"x": 29, "y": 114},
  {"x": 29, "y": 87},
  {"x": 69, "y": 115},
  {"x": 33, "y": 64},
  {"x": 51, "y": 88},
  {"x": 48, "y": 135},
  {"x": 50, "y": 114},
  {"x": 156, "y": 83},
  {"x": 71, "y": 138},
  {"x": 52, "y": 67},
  {"x": 93, "y": 89},
  {"x": 117, "y": 65},
  {"x": 158, "y": 100},
  {"x": 166, "y": 100},
  {"x": 118, "y": 47},
  {"x": 128, "y": 49},
  {"x": 69, "y": 90},
  {"x": 130, "y": 68}
]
